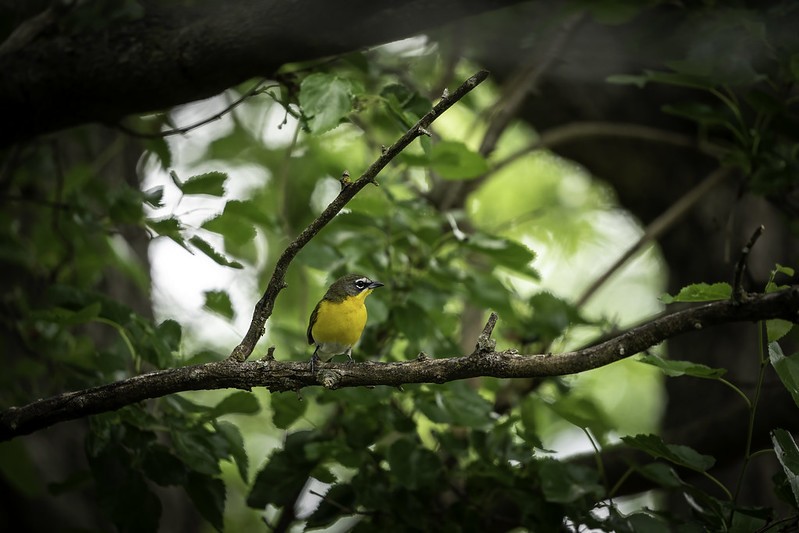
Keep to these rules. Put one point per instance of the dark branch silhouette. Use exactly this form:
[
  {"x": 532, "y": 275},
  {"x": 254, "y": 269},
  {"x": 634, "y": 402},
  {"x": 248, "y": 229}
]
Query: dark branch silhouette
[{"x": 278, "y": 376}]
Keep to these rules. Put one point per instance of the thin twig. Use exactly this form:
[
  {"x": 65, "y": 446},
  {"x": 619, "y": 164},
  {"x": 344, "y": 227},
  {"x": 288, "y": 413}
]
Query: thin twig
[
  {"x": 185, "y": 129},
  {"x": 575, "y": 131},
  {"x": 264, "y": 307},
  {"x": 524, "y": 81},
  {"x": 659, "y": 226},
  {"x": 737, "y": 286}
]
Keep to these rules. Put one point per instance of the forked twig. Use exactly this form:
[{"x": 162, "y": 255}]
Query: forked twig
[{"x": 264, "y": 307}]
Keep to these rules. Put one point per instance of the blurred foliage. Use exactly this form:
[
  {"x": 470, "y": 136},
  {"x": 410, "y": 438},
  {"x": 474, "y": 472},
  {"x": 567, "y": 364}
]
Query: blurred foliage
[{"x": 464, "y": 456}]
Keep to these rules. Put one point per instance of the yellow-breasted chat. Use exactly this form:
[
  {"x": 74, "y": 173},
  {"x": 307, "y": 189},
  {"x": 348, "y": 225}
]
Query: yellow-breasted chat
[{"x": 338, "y": 319}]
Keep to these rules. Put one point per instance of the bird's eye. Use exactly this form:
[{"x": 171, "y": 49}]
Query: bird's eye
[{"x": 360, "y": 284}]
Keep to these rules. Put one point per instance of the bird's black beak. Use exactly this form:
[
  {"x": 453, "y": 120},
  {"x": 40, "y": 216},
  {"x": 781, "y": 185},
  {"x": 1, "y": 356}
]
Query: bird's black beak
[{"x": 375, "y": 284}]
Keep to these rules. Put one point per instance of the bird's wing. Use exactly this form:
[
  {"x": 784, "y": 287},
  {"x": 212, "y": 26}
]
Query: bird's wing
[{"x": 311, "y": 322}]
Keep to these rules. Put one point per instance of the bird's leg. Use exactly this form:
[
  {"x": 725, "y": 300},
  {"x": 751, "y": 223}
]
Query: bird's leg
[
  {"x": 314, "y": 360},
  {"x": 349, "y": 354}
]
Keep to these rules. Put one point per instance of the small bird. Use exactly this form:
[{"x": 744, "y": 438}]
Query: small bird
[{"x": 338, "y": 319}]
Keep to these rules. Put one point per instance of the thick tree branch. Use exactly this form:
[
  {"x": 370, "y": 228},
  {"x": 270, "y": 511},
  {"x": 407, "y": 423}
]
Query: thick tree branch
[
  {"x": 177, "y": 53},
  {"x": 280, "y": 376},
  {"x": 264, "y": 307}
]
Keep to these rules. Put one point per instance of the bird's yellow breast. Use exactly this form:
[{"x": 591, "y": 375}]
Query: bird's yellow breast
[{"x": 341, "y": 322}]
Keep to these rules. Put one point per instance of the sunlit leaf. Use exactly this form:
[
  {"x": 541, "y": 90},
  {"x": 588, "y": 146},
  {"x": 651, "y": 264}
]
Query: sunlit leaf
[
  {"x": 325, "y": 100},
  {"x": 209, "y": 250},
  {"x": 700, "y": 292},
  {"x": 787, "y": 368},
  {"x": 674, "y": 368},
  {"x": 788, "y": 455},
  {"x": 455, "y": 161},
  {"x": 219, "y": 302},
  {"x": 210, "y": 183}
]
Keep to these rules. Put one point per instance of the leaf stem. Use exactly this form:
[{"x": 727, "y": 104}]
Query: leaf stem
[{"x": 763, "y": 347}]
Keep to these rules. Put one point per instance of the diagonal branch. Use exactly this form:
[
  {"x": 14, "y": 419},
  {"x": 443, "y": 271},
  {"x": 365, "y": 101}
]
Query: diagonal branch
[
  {"x": 280, "y": 376},
  {"x": 264, "y": 307}
]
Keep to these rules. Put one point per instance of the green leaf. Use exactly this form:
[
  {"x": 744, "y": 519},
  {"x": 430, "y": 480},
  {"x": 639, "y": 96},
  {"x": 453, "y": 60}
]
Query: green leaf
[
  {"x": 788, "y": 456},
  {"x": 455, "y": 161},
  {"x": 675, "y": 453},
  {"x": 218, "y": 301},
  {"x": 281, "y": 479},
  {"x": 240, "y": 402},
  {"x": 195, "y": 448},
  {"x": 67, "y": 317},
  {"x": 209, "y": 250},
  {"x": 777, "y": 328},
  {"x": 162, "y": 467},
  {"x": 167, "y": 227},
  {"x": 698, "y": 112},
  {"x": 208, "y": 495},
  {"x": 286, "y": 408},
  {"x": 412, "y": 465},
  {"x": 235, "y": 444},
  {"x": 210, "y": 183},
  {"x": 330, "y": 508},
  {"x": 582, "y": 412},
  {"x": 233, "y": 228},
  {"x": 787, "y": 369},
  {"x": 504, "y": 252},
  {"x": 700, "y": 292},
  {"x": 628, "y": 79},
  {"x": 154, "y": 196},
  {"x": 674, "y": 368},
  {"x": 325, "y": 100},
  {"x": 565, "y": 483},
  {"x": 458, "y": 404},
  {"x": 668, "y": 78}
]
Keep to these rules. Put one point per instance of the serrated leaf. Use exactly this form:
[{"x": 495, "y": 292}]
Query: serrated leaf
[
  {"x": 787, "y": 369},
  {"x": 412, "y": 465},
  {"x": 286, "y": 409},
  {"x": 675, "y": 453},
  {"x": 210, "y": 183},
  {"x": 195, "y": 449},
  {"x": 562, "y": 482},
  {"x": 504, "y": 252},
  {"x": 68, "y": 317},
  {"x": 280, "y": 480},
  {"x": 162, "y": 467},
  {"x": 583, "y": 413},
  {"x": 154, "y": 196},
  {"x": 166, "y": 227},
  {"x": 325, "y": 99},
  {"x": 788, "y": 455},
  {"x": 209, "y": 250},
  {"x": 343, "y": 495},
  {"x": 700, "y": 292},
  {"x": 208, "y": 495},
  {"x": 673, "y": 368},
  {"x": 233, "y": 228},
  {"x": 219, "y": 302},
  {"x": 236, "y": 448},
  {"x": 240, "y": 402},
  {"x": 777, "y": 328},
  {"x": 455, "y": 161}
]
